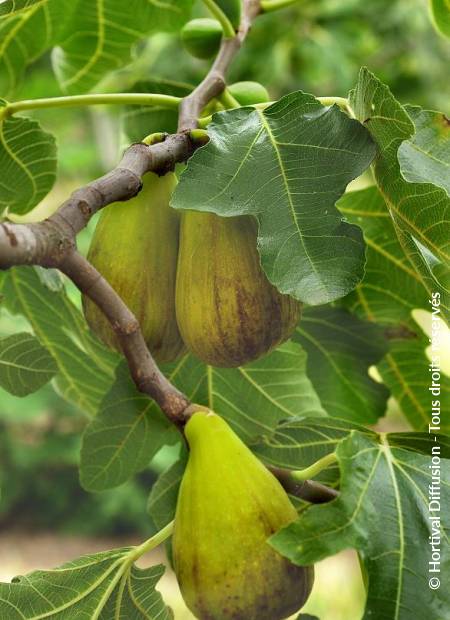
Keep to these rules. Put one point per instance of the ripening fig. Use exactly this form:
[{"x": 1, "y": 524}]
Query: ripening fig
[
  {"x": 229, "y": 504},
  {"x": 201, "y": 37},
  {"x": 228, "y": 312},
  {"x": 135, "y": 247},
  {"x": 249, "y": 93}
]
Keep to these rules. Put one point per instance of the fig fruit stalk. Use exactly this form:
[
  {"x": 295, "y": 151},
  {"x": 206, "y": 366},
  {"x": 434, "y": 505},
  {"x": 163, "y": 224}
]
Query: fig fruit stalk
[
  {"x": 135, "y": 248},
  {"x": 232, "y": 9},
  {"x": 229, "y": 504},
  {"x": 228, "y": 312}
]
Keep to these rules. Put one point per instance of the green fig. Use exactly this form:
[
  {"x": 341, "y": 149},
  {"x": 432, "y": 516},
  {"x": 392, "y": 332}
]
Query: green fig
[
  {"x": 229, "y": 504},
  {"x": 249, "y": 93},
  {"x": 201, "y": 37},
  {"x": 135, "y": 247},
  {"x": 228, "y": 312}
]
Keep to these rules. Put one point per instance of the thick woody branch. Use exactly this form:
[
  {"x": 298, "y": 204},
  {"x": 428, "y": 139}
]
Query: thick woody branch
[
  {"x": 52, "y": 243},
  {"x": 47, "y": 243},
  {"x": 143, "y": 369},
  {"x": 214, "y": 82}
]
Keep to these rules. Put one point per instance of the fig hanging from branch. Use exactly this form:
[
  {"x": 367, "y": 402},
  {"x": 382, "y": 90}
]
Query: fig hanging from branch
[
  {"x": 227, "y": 310},
  {"x": 135, "y": 247},
  {"x": 229, "y": 504}
]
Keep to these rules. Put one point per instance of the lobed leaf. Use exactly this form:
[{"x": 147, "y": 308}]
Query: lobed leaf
[
  {"x": 137, "y": 597},
  {"x": 90, "y": 39},
  {"x": 391, "y": 288},
  {"x": 26, "y": 35},
  {"x": 406, "y": 371},
  {"x": 390, "y": 291},
  {"x": 421, "y": 442},
  {"x": 104, "y": 585},
  {"x": 419, "y": 210},
  {"x": 383, "y": 512},
  {"x": 102, "y": 34},
  {"x": 255, "y": 397},
  {"x": 286, "y": 166},
  {"x": 297, "y": 444},
  {"x": 425, "y": 157}
]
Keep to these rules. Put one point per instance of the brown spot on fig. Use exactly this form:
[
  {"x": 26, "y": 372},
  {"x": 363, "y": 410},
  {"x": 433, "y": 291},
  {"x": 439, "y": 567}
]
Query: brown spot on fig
[{"x": 228, "y": 312}]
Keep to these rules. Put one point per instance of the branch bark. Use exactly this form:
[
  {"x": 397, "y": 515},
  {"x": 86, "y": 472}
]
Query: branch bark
[
  {"x": 215, "y": 82},
  {"x": 309, "y": 490},
  {"x": 143, "y": 368},
  {"x": 47, "y": 243}
]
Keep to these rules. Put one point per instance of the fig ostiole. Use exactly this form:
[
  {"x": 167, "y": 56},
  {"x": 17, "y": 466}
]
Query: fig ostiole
[
  {"x": 135, "y": 247},
  {"x": 229, "y": 504},
  {"x": 228, "y": 312}
]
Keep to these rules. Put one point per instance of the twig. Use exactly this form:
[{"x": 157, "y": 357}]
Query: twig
[
  {"x": 309, "y": 490},
  {"x": 214, "y": 82},
  {"x": 144, "y": 371}
]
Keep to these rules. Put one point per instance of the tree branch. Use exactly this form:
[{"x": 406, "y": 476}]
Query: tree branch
[
  {"x": 52, "y": 243},
  {"x": 47, "y": 243},
  {"x": 214, "y": 82},
  {"x": 144, "y": 371},
  {"x": 309, "y": 490}
]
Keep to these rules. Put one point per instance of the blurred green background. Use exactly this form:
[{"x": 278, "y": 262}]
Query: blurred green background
[{"x": 318, "y": 47}]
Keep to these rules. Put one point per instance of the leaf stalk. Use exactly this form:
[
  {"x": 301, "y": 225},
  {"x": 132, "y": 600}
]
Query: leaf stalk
[
  {"x": 150, "y": 99},
  {"x": 216, "y": 11},
  {"x": 315, "y": 468},
  {"x": 152, "y": 542},
  {"x": 227, "y": 100},
  {"x": 267, "y": 6}
]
